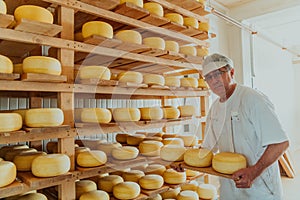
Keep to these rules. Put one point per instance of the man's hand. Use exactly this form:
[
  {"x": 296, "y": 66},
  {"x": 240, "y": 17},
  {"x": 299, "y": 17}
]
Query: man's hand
[{"x": 244, "y": 178}]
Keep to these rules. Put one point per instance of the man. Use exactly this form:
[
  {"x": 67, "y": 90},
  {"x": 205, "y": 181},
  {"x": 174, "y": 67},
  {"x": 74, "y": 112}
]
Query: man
[{"x": 243, "y": 120}]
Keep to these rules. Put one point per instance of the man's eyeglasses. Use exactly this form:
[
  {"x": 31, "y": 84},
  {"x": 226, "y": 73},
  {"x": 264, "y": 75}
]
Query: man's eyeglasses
[{"x": 217, "y": 74}]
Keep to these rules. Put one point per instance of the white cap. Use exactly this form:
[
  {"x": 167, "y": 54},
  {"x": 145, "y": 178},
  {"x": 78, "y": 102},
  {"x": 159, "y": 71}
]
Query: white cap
[{"x": 214, "y": 62}]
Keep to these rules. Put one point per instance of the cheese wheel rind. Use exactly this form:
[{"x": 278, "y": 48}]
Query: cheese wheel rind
[
  {"x": 97, "y": 28},
  {"x": 154, "y": 8},
  {"x": 125, "y": 153},
  {"x": 151, "y": 182},
  {"x": 126, "y": 114},
  {"x": 93, "y": 158},
  {"x": 6, "y": 65},
  {"x": 126, "y": 190},
  {"x": 83, "y": 186},
  {"x": 151, "y": 113},
  {"x": 107, "y": 183},
  {"x": 3, "y": 7},
  {"x": 96, "y": 115},
  {"x": 94, "y": 72},
  {"x": 10, "y": 122},
  {"x": 228, "y": 162},
  {"x": 129, "y": 36},
  {"x": 42, "y": 65},
  {"x": 43, "y": 117},
  {"x": 198, "y": 157},
  {"x": 32, "y": 12},
  {"x": 8, "y": 173},
  {"x": 96, "y": 194}
]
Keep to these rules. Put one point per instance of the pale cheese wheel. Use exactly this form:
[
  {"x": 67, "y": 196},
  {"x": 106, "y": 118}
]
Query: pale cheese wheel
[
  {"x": 207, "y": 191},
  {"x": 125, "y": 153},
  {"x": 133, "y": 175},
  {"x": 10, "y": 122},
  {"x": 189, "y": 140},
  {"x": 172, "y": 153},
  {"x": 93, "y": 158},
  {"x": 189, "y": 82},
  {"x": 138, "y": 3},
  {"x": 18, "y": 68},
  {"x": 228, "y": 162},
  {"x": 94, "y": 72},
  {"x": 126, "y": 190},
  {"x": 192, "y": 185},
  {"x": 151, "y": 182},
  {"x": 172, "y": 176},
  {"x": 173, "y": 141},
  {"x": 97, "y": 28},
  {"x": 33, "y": 196},
  {"x": 78, "y": 150},
  {"x": 5, "y": 149},
  {"x": 3, "y": 8},
  {"x": 187, "y": 195},
  {"x": 43, "y": 117},
  {"x": 8, "y": 173},
  {"x": 202, "y": 83},
  {"x": 21, "y": 112},
  {"x": 1, "y": 159},
  {"x": 155, "y": 42},
  {"x": 155, "y": 169},
  {"x": 50, "y": 165},
  {"x": 191, "y": 21},
  {"x": 96, "y": 115},
  {"x": 10, "y": 155},
  {"x": 135, "y": 139},
  {"x": 24, "y": 160},
  {"x": 172, "y": 81},
  {"x": 202, "y": 52},
  {"x": 126, "y": 114},
  {"x": 204, "y": 26},
  {"x": 174, "y": 17},
  {"x": 83, "y": 186},
  {"x": 130, "y": 76},
  {"x": 95, "y": 195},
  {"x": 129, "y": 36},
  {"x": 6, "y": 65},
  {"x": 171, "y": 46},
  {"x": 155, "y": 197},
  {"x": 191, "y": 173},
  {"x": 187, "y": 110},
  {"x": 107, "y": 183},
  {"x": 170, "y": 112},
  {"x": 151, "y": 113},
  {"x": 108, "y": 147},
  {"x": 35, "y": 13},
  {"x": 198, "y": 157},
  {"x": 171, "y": 193},
  {"x": 154, "y": 8},
  {"x": 188, "y": 50},
  {"x": 154, "y": 79},
  {"x": 42, "y": 65},
  {"x": 150, "y": 148},
  {"x": 121, "y": 138}
]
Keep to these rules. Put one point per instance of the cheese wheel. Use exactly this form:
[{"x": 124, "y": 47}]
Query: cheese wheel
[
  {"x": 94, "y": 72},
  {"x": 83, "y": 186},
  {"x": 198, "y": 157},
  {"x": 189, "y": 82},
  {"x": 155, "y": 197},
  {"x": 130, "y": 76},
  {"x": 133, "y": 175},
  {"x": 169, "y": 135},
  {"x": 204, "y": 26},
  {"x": 151, "y": 182},
  {"x": 8, "y": 173},
  {"x": 1, "y": 159},
  {"x": 202, "y": 83},
  {"x": 138, "y": 3},
  {"x": 170, "y": 112},
  {"x": 93, "y": 158},
  {"x": 228, "y": 162},
  {"x": 121, "y": 138},
  {"x": 22, "y": 113},
  {"x": 125, "y": 153},
  {"x": 172, "y": 176},
  {"x": 151, "y": 113},
  {"x": 175, "y": 17},
  {"x": 97, "y": 28},
  {"x": 10, "y": 155},
  {"x": 126, "y": 114},
  {"x": 5, "y": 149},
  {"x": 155, "y": 42},
  {"x": 172, "y": 152},
  {"x": 129, "y": 36},
  {"x": 18, "y": 68},
  {"x": 35, "y": 13},
  {"x": 192, "y": 185},
  {"x": 10, "y": 122},
  {"x": 171, "y": 46},
  {"x": 188, "y": 50},
  {"x": 171, "y": 193},
  {"x": 108, "y": 147},
  {"x": 155, "y": 169},
  {"x": 150, "y": 148},
  {"x": 3, "y": 8},
  {"x": 96, "y": 115},
  {"x": 191, "y": 173},
  {"x": 24, "y": 160},
  {"x": 78, "y": 37},
  {"x": 172, "y": 81},
  {"x": 107, "y": 183},
  {"x": 33, "y": 196},
  {"x": 173, "y": 141},
  {"x": 50, "y": 165},
  {"x": 154, "y": 79},
  {"x": 187, "y": 110},
  {"x": 78, "y": 150},
  {"x": 135, "y": 139},
  {"x": 43, "y": 117},
  {"x": 187, "y": 195},
  {"x": 202, "y": 52},
  {"x": 207, "y": 191},
  {"x": 94, "y": 195},
  {"x": 154, "y": 8},
  {"x": 6, "y": 65},
  {"x": 189, "y": 140},
  {"x": 190, "y": 21},
  {"x": 41, "y": 65},
  {"x": 126, "y": 190}
]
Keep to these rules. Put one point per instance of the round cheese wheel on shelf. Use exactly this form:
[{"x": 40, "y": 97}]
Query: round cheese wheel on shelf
[
  {"x": 202, "y": 52},
  {"x": 151, "y": 182},
  {"x": 35, "y": 13},
  {"x": 207, "y": 191},
  {"x": 154, "y": 79},
  {"x": 33, "y": 196},
  {"x": 155, "y": 197},
  {"x": 135, "y": 139},
  {"x": 204, "y": 26},
  {"x": 188, "y": 50},
  {"x": 198, "y": 157},
  {"x": 154, "y": 8},
  {"x": 78, "y": 150},
  {"x": 155, "y": 42},
  {"x": 129, "y": 36},
  {"x": 125, "y": 153},
  {"x": 126, "y": 114},
  {"x": 202, "y": 83},
  {"x": 187, "y": 110},
  {"x": 173, "y": 141},
  {"x": 10, "y": 155},
  {"x": 22, "y": 112},
  {"x": 94, "y": 72},
  {"x": 130, "y": 76},
  {"x": 97, "y": 28},
  {"x": 171, "y": 46},
  {"x": 126, "y": 190},
  {"x": 121, "y": 138},
  {"x": 10, "y": 122},
  {"x": 155, "y": 169},
  {"x": 150, "y": 148},
  {"x": 138, "y": 3},
  {"x": 187, "y": 195},
  {"x": 94, "y": 195},
  {"x": 3, "y": 8},
  {"x": 24, "y": 160},
  {"x": 172, "y": 81},
  {"x": 189, "y": 140},
  {"x": 192, "y": 186},
  {"x": 172, "y": 153},
  {"x": 171, "y": 193},
  {"x": 151, "y": 113},
  {"x": 41, "y": 65},
  {"x": 133, "y": 175},
  {"x": 91, "y": 158},
  {"x": 228, "y": 162},
  {"x": 5, "y": 149},
  {"x": 83, "y": 186},
  {"x": 189, "y": 82},
  {"x": 96, "y": 115},
  {"x": 190, "y": 21},
  {"x": 174, "y": 17},
  {"x": 43, "y": 117},
  {"x": 108, "y": 147},
  {"x": 107, "y": 183},
  {"x": 6, "y": 65},
  {"x": 170, "y": 112},
  {"x": 8, "y": 173},
  {"x": 172, "y": 176}
]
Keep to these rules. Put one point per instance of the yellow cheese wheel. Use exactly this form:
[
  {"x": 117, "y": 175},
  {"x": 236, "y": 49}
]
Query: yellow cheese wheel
[
  {"x": 18, "y": 68},
  {"x": 171, "y": 193},
  {"x": 130, "y": 36},
  {"x": 1, "y": 159},
  {"x": 155, "y": 169},
  {"x": 93, "y": 158},
  {"x": 151, "y": 182},
  {"x": 43, "y": 117},
  {"x": 35, "y": 13},
  {"x": 126, "y": 190},
  {"x": 121, "y": 138},
  {"x": 172, "y": 81},
  {"x": 96, "y": 115},
  {"x": 207, "y": 191},
  {"x": 172, "y": 153},
  {"x": 191, "y": 173},
  {"x": 187, "y": 110},
  {"x": 107, "y": 183},
  {"x": 83, "y": 186},
  {"x": 151, "y": 113},
  {"x": 192, "y": 185},
  {"x": 10, "y": 122},
  {"x": 150, "y": 148},
  {"x": 21, "y": 112},
  {"x": 187, "y": 195},
  {"x": 202, "y": 83},
  {"x": 190, "y": 21},
  {"x": 95, "y": 195},
  {"x": 138, "y": 3},
  {"x": 189, "y": 140},
  {"x": 41, "y": 65},
  {"x": 78, "y": 37},
  {"x": 154, "y": 8},
  {"x": 175, "y": 17},
  {"x": 171, "y": 46},
  {"x": 78, "y": 150},
  {"x": 6, "y": 65},
  {"x": 204, "y": 26},
  {"x": 198, "y": 157},
  {"x": 8, "y": 173},
  {"x": 108, "y": 147},
  {"x": 24, "y": 160},
  {"x": 94, "y": 72},
  {"x": 202, "y": 52},
  {"x": 50, "y": 165},
  {"x": 135, "y": 139},
  {"x": 173, "y": 141},
  {"x": 172, "y": 176},
  {"x": 33, "y": 196},
  {"x": 189, "y": 82},
  {"x": 154, "y": 42},
  {"x": 126, "y": 114},
  {"x": 10, "y": 155},
  {"x": 125, "y": 153},
  {"x": 133, "y": 175},
  {"x": 154, "y": 79},
  {"x": 155, "y": 197},
  {"x": 228, "y": 162},
  {"x": 188, "y": 50},
  {"x": 130, "y": 76},
  {"x": 5, "y": 149},
  {"x": 3, "y": 8},
  {"x": 170, "y": 112},
  {"x": 97, "y": 28}
]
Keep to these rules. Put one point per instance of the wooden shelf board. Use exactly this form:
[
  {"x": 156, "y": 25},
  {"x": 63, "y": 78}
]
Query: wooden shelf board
[
  {"x": 124, "y": 164},
  {"x": 86, "y": 172},
  {"x": 155, "y": 20},
  {"x": 174, "y": 27},
  {"x": 153, "y": 193},
  {"x": 191, "y": 31},
  {"x": 202, "y": 11},
  {"x": 173, "y": 56},
  {"x": 132, "y": 66},
  {"x": 6, "y": 20},
  {"x": 98, "y": 82},
  {"x": 34, "y": 77},
  {"x": 102, "y": 41},
  {"x": 192, "y": 59},
  {"x": 155, "y": 52},
  {"x": 120, "y": 62},
  {"x": 13, "y": 189},
  {"x": 16, "y": 49},
  {"x": 131, "y": 10},
  {"x": 133, "y": 48},
  {"x": 9, "y": 76},
  {"x": 201, "y": 36},
  {"x": 105, "y": 4},
  {"x": 92, "y": 59},
  {"x": 49, "y": 129}
]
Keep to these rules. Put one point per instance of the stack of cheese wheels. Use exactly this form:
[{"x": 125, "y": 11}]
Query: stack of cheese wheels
[
  {"x": 172, "y": 153},
  {"x": 155, "y": 42},
  {"x": 189, "y": 82},
  {"x": 150, "y": 148},
  {"x": 171, "y": 46},
  {"x": 125, "y": 153},
  {"x": 94, "y": 72},
  {"x": 83, "y": 186},
  {"x": 9, "y": 156},
  {"x": 6, "y": 65},
  {"x": 135, "y": 139},
  {"x": 154, "y": 8},
  {"x": 198, "y": 157},
  {"x": 187, "y": 195},
  {"x": 41, "y": 65},
  {"x": 121, "y": 138},
  {"x": 5, "y": 149},
  {"x": 35, "y": 13},
  {"x": 172, "y": 176},
  {"x": 130, "y": 76},
  {"x": 24, "y": 160},
  {"x": 91, "y": 158},
  {"x": 43, "y": 117},
  {"x": 138, "y": 3},
  {"x": 202, "y": 52},
  {"x": 187, "y": 110},
  {"x": 204, "y": 26},
  {"x": 173, "y": 141},
  {"x": 171, "y": 193},
  {"x": 155, "y": 169},
  {"x": 3, "y": 8},
  {"x": 96, "y": 194},
  {"x": 151, "y": 182},
  {"x": 126, "y": 190},
  {"x": 202, "y": 83},
  {"x": 170, "y": 112},
  {"x": 107, "y": 183},
  {"x": 97, "y": 28},
  {"x": 129, "y": 36},
  {"x": 78, "y": 150},
  {"x": 8, "y": 173},
  {"x": 190, "y": 21},
  {"x": 189, "y": 139},
  {"x": 108, "y": 147},
  {"x": 175, "y": 17},
  {"x": 133, "y": 175},
  {"x": 96, "y": 115},
  {"x": 207, "y": 191},
  {"x": 228, "y": 162},
  {"x": 18, "y": 68},
  {"x": 172, "y": 81},
  {"x": 10, "y": 122},
  {"x": 33, "y": 196},
  {"x": 151, "y": 113},
  {"x": 126, "y": 114},
  {"x": 50, "y": 165},
  {"x": 188, "y": 50},
  {"x": 154, "y": 79},
  {"x": 192, "y": 185}
]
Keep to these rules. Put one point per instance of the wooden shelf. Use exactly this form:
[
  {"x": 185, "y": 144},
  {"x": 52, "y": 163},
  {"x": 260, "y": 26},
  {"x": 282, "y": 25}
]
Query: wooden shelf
[
  {"x": 15, "y": 188},
  {"x": 6, "y": 20},
  {"x": 8, "y": 76}
]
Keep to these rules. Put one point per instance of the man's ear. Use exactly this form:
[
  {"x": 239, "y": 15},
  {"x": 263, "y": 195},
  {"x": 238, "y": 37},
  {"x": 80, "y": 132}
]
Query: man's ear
[{"x": 232, "y": 72}]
